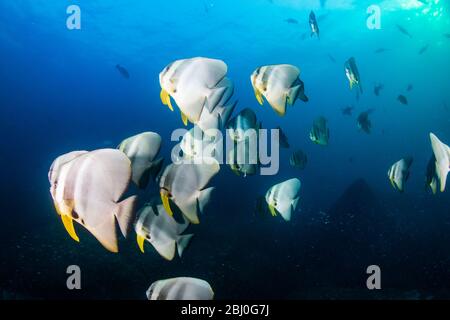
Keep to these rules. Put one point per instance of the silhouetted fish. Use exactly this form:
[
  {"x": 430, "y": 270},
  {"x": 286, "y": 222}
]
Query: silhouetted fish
[
  {"x": 402, "y": 99},
  {"x": 423, "y": 49},
  {"x": 403, "y": 30},
  {"x": 380, "y": 50},
  {"x": 291, "y": 21},
  {"x": 377, "y": 89},
  {"x": 331, "y": 58},
  {"x": 409, "y": 88},
  {"x": 123, "y": 71},
  {"x": 347, "y": 111},
  {"x": 364, "y": 122}
]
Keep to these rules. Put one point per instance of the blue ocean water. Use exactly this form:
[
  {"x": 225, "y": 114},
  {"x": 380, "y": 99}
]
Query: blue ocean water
[{"x": 60, "y": 91}]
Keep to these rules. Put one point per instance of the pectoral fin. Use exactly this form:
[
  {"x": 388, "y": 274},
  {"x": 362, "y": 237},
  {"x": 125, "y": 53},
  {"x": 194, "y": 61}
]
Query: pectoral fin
[
  {"x": 272, "y": 210},
  {"x": 140, "y": 241},
  {"x": 184, "y": 119},
  {"x": 259, "y": 97},
  {"x": 166, "y": 204},
  {"x": 165, "y": 99},
  {"x": 68, "y": 224}
]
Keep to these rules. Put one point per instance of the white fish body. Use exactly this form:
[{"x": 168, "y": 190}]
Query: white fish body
[
  {"x": 184, "y": 185},
  {"x": 283, "y": 198},
  {"x": 442, "y": 154},
  {"x": 183, "y": 288},
  {"x": 398, "y": 173},
  {"x": 193, "y": 84},
  {"x": 56, "y": 167},
  {"x": 142, "y": 150},
  {"x": 162, "y": 231},
  {"x": 88, "y": 192},
  {"x": 279, "y": 84}
]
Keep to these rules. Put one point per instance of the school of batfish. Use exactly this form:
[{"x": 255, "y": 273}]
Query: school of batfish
[{"x": 92, "y": 187}]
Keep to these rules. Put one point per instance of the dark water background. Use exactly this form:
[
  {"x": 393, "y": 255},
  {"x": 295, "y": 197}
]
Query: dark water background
[{"x": 60, "y": 91}]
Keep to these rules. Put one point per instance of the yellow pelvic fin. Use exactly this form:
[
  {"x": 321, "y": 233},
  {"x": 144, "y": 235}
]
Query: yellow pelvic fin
[
  {"x": 184, "y": 119},
  {"x": 165, "y": 99},
  {"x": 165, "y": 202},
  {"x": 68, "y": 224},
  {"x": 259, "y": 97},
  {"x": 140, "y": 241},
  {"x": 393, "y": 183},
  {"x": 272, "y": 210}
]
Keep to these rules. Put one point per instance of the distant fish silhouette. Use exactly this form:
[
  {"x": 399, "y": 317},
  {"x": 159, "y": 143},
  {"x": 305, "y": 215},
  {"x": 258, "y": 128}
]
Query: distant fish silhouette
[
  {"x": 347, "y": 111},
  {"x": 380, "y": 50},
  {"x": 409, "y": 87},
  {"x": 331, "y": 58},
  {"x": 447, "y": 35},
  {"x": 377, "y": 89},
  {"x": 403, "y": 30},
  {"x": 313, "y": 25},
  {"x": 291, "y": 21},
  {"x": 402, "y": 99},
  {"x": 123, "y": 71},
  {"x": 423, "y": 49}
]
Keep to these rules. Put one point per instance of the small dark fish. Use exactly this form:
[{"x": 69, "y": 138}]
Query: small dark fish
[
  {"x": 347, "y": 111},
  {"x": 403, "y": 30},
  {"x": 291, "y": 21},
  {"x": 402, "y": 99},
  {"x": 423, "y": 49},
  {"x": 352, "y": 73},
  {"x": 380, "y": 50},
  {"x": 284, "y": 143},
  {"x": 298, "y": 159},
  {"x": 364, "y": 122},
  {"x": 409, "y": 87},
  {"x": 313, "y": 24},
  {"x": 320, "y": 133},
  {"x": 331, "y": 58},
  {"x": 377, "y": 89},
  {"x": 123, "y": 71}
]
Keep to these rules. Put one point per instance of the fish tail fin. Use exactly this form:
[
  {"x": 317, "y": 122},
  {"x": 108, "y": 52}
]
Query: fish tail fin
[
  {"x": 293, "y": 94},
  {"x": 204, "y": 197},
  {"x": 125, "y": 214},
  {"x": 183, "y": 242},
  {"x": 226, "y": 113},
  {"x": 214, "y": 96},
  {"x": 295, "y": 203}
]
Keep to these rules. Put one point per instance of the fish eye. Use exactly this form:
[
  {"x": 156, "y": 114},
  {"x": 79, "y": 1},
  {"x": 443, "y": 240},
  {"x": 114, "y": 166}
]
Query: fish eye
[{"x": 147, "y": 236}]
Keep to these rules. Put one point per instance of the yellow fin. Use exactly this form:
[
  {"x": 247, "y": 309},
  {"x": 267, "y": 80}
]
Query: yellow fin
[
  {"x": 165, "y": 202},
  {"x": 140, "y": 241},
  {"x": 184, "y": 119},
  {"x": 165, "y": 99},
  {"x": 259, "y": 97},
  {"x": 68, "y": 224},
  {"x": 272, "y": 210}
]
